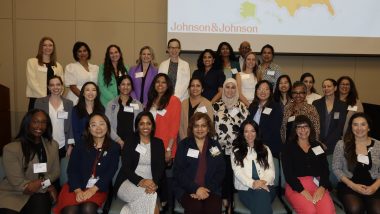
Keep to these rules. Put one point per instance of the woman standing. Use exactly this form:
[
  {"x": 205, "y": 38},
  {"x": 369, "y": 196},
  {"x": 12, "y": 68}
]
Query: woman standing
[
  {"x": 195, "y": 103},
  {"x": 59, "y": 110},
  {"x": 79, "y": 72},
  {"x": 40, "y": 69},
  {"x": 332, "y": 115},
  {"x": 254, "y": 171},
  {"x": 177, "y": 69},
  {"x": 306, "y": 170},
  {"x": 347, "y": 93},
  {"x": 247, "y": 79},
  {"x": 142, "y": 170},
  {"x": 268, "y": 115},
  {"x": 229, "y": 114},
  {"x": 308, "y": 80},
  {"x": 356, "y": 162},
  {"x": 31, "y": 164},
  {"x": 211, "y": 75},
  {"x": 143, "y": 74},
  {"x": 268, "y": 70},
  {"x": 199, "y": 168},
  {"x": 90, "y": 170},
  {"x": 228, "y": 60},
  {"x": 88, "y": 103},
  {"x": 110, "y": 74},
  {"x": 283, "y": 91},
  {"x": 299, "y": 106},
  {"x": 122, "y": 112}
]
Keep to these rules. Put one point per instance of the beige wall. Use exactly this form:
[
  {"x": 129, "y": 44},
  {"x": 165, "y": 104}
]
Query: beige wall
[{"x": 130, "y": 24}]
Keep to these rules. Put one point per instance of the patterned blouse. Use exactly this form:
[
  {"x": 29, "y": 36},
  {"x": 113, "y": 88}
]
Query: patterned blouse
[
  {"x": 305, "y": 109},
  {"x": 227, "y": 123},
  {"x": 272, "y": 73}
]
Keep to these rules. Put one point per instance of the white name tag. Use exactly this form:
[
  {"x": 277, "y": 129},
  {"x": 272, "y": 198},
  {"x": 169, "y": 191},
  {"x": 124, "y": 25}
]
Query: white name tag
[
  {"x": 291, "y": 119},
  {"x": 234, "y": 71},
  {"x": 42, "y": 68},
  {"x": 161, "y": 112},
  {"x": 128, "y": 109},
  {"x": 39, "y": 167},
  {"x": 336, "y": 115},
  {"x": 135, "y": 106},
  {"x": 363, "y": 159},
  {"x": 193, "y": 153},
  {"x": 244, "y": 76},
  {"x": 267, "y": 111},
  {"x": 91, "y": 182},
  {"x": 140, "y": 149},
  {"x": 139, "y": 75},
  {"x": 63, "y": 115},
  {"x": 352, "y": 108},
  {"x": 233, "y": 112},
  {"x": 271, "y": 73},
  {"x": 45, "y": 184},
  {"x": 201, "y": 109},
  {"x": 316, "y": 181},
  {"x": 317, "y": 150}
]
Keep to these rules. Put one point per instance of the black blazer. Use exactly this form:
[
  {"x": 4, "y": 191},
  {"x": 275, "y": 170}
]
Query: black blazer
[
  {"x": 270, "y": 125},
  {"x": 130, "y": 158},
  {"x": 335, "y": 130}
]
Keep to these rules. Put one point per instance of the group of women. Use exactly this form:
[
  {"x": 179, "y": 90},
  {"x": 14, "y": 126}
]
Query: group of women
[{"x": 199, "y": 137}]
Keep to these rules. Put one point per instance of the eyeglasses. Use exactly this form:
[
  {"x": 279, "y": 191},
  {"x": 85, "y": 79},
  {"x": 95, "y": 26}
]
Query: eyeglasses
[
  {"x": 302, "y": 127},
  {"x": 246, "y": 48}
]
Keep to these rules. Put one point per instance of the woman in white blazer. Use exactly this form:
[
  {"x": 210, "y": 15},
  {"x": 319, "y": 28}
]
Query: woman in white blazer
[
  {"x": 253, "y": 167},
  {"x": 177, "y": 69}
]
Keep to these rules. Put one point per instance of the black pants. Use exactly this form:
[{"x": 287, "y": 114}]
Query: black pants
[{"x": 38, "y": 203}]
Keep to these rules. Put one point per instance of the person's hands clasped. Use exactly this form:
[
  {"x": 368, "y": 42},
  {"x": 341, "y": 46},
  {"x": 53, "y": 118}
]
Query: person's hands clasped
[
  {"x": 202, "y": 193},
  {"x": 359, "y": 188},
  {"x": 318, "y": 194},
  {"x": 149, "y": 185},
  {"x": 307, "y": 195},
  {"x": 88, "y": 193},
  {"x": 369, "y": 190},
  {"x": 260, "y": 184},
  {"x": 79, "y": 195},
  {"x": 32, "y": 187}
]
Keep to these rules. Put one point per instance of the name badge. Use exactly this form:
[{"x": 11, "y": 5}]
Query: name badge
[
  {"x": 234, "y": 71},
  {"x": 91, "y": 182},
  {"x": 46, "y": 183},
  {"x": 39, "y": 167},
  {"x": 317, "y": 150},
  {"x": 139, "y": 75},
  {"x": 336, "y": 115},
  {"x": 201, "y": 109},
  {"x": 352, "y": 108},
  {"x": 316, "y": 181},
  {"x": 244, "y": 76},
  {"x": 140, "y": 149},
  {"x": 128, "y": 109},
  {"x": 134, "y": 105},
  {"x": 291, "y": 119},
  {"x": 42, "y": 68},
  {"x": 363, "y": 159},
  {"x": 161, "y": 112},
  {"x": 267, "y": 111},
  {"x": 193, "y": 153},
  {"x": 234, "y": 112},
  {"x": 63, "y": 115},
  {"x": 271, "y": 73}
]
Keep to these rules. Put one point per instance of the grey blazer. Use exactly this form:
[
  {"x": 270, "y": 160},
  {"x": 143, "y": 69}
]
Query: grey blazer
[{"x": 43, "y": 103}]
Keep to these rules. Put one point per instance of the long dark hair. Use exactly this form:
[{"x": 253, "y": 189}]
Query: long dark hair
[
  {"x": 81, "y": 106},
  {"x": 301, "y": 119},
  {"x": 108, "y": 67},
  {"x": 76, "y": 48},
  {"x": 151, "y": 118},
  {"x": 201, "y": 65},
  {"x": 28, "y": 146},
  {"x": 304, "y": 75},
  {"x": 352, "y": 94},
  {"x": 240, "y": 146},
  {"x": 277, "y": 93},
  {"x": 256, "y": 100},
  {"x": 232, "y": 56},
  {"x": 152, "y": 94},
  {"x": 88, "y": 138},
  {"x": 349, "y": 140}
]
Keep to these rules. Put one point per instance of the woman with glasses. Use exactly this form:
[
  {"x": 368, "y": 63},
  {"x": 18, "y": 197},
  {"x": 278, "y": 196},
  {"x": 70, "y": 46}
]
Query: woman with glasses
[
  {"x": 306, "y": 170},
  {"x": 332, "y": 115},
  {"x": 299, "y": 106}
]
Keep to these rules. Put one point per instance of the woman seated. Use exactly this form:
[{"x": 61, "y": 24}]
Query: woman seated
[
  {"x": 199, "y": 168},
  {"x": 143, "y": 165},
  {"x": 90, "y": 170},
  {"x": 31, "y": 165},
  {"x": 356, "y": 164},
  {"x": 253, "y": 168},
  {"x": 306, "y": 170}
]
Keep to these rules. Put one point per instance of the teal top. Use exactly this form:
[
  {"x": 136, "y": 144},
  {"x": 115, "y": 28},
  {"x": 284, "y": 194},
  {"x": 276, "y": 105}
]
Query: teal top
[{"x": 107, "y": 93}]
